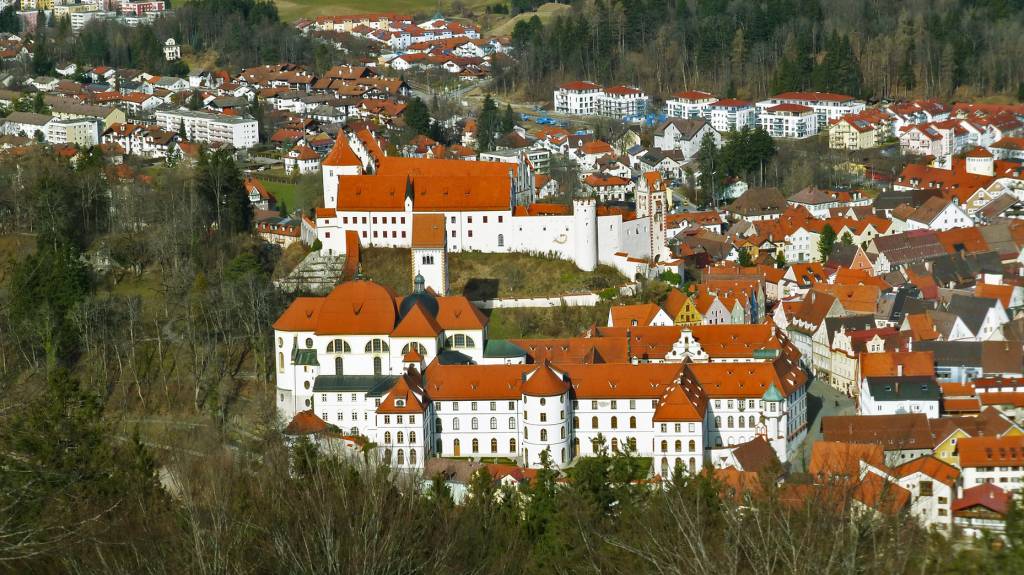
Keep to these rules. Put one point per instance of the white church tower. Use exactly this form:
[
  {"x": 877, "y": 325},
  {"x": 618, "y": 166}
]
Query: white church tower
[
  {"x": 546, "y": 417},
  {"x": 651, "y": 202},
  {"x": 342, "y": 161}
]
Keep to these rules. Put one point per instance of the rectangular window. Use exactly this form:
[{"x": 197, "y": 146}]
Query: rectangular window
[
  {"x": 412, "y": 419},
  {"x": 494, "y": 406},
  {"x": 469, "y": 219},
  {"x": 692, "y": 427},
  {"x": 543, "y": 417},
  {"x": 718, "y": 404},
  {"x": 664, "y": 428},
  {"x": 375, "y": 220},
  {"x": 364, "y": 233},
  {"x": 453, "y": 233},
  {"x": 472, "y": 406},
  {"x": 455, "y": 406},
  {"x": 399, "y": 419},
  {"x": 344, "y": 220},
  {"x": 355, "y": 416},
  {"x": 394, "y": 219},
  {"x": 485, "y": 219},
  {"x": 632, "y": 404},
  {"x": 387, "y": 419},
  {"x": 403, "y": 219},
  {"x": 323, "y": 397},
  {"x": 469, "y": 233},
  {"x": 339, "y": 397},
  {"x": 374, "y": 233},
  {"x": 341, "y": 416},
  {"x": 615, "y": 404},
  {"x": 511, "y": 406},
  {"x": 353, "y": 396},
  {"x": 453, "y": 219},
  {"x": 501, "y": 219},
  {"x": 593, "y": 405},
  {"x": 403, "y": 234}
]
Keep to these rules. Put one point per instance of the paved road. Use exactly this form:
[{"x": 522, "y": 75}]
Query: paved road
[{"x": 822, "y": 400}]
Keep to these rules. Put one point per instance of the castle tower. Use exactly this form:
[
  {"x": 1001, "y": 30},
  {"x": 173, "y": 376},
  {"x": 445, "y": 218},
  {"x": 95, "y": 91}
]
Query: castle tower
[
  {"x": 546, "y": 417},
  {"x": 342, "y": 161},
  {"x": 651, "y": 202},
  {"x": 429, "y": 253},
  {"x": 584, "y": 219}
]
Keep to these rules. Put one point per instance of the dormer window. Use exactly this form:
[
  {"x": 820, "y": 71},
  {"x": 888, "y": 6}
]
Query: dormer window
[{"x": 399, "y": 403}]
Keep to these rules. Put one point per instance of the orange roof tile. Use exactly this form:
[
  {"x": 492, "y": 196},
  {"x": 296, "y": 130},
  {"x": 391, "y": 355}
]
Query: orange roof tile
[
  {"x": 543, "y": 381},
  {"x": 417, "y": 323},
  {"x": 887, "y": 363},
  {"x": 932, "y": 467},
  {"x": 830, "y": 459},
  {"x": 881, "y": 495},
  {"x": 341, "y": 154},
  {"x": 633, "y": 315},
  {"x": 991, "y": 451},
  {"x": 428, "y": 231}
]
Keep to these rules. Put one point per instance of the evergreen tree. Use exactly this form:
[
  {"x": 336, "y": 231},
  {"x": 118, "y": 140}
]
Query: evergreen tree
[
  {"x": 745, "y": 259},
  {"x": 710, "y": 172},
  {"x": 847, "y": 239},
  {"x": 42, "y": 62},
  {"x": 780, "y": 260},
  {"x": 417, "y": 116},
  {"x": 508, "y": 119},
  {"x": 826, "y": 242},
  {"x": 487, "y": 125}
]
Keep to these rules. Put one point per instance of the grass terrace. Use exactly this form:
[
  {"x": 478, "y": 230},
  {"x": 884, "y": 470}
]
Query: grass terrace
[{"x": 484, "y": 276}]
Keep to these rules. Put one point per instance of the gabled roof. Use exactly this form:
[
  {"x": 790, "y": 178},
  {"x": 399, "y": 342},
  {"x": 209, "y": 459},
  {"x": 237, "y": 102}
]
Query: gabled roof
[
  {"x": 633, "y": 315},
  {"x": 932, "y": 467},
  {"x": 830, "y": 459},
  {"x": 987, "y": 495},
  {"x": 756, "y": 455}
]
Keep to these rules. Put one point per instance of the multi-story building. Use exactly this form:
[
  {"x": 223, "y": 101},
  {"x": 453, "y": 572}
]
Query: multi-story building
[
  {"x": 731, "y": 115},
  {"x": 84, "y": 132},
  {"x": 692, "y": 104},
  {"x": 577, "y": 98},
  {"x": 997, "y": 460},
  {"x": 789, "y": 121},
  {"x": 418, "y": 377},
  {"x": 210, "y": 128},
  {"x": 622, "y": 102},
  {"x": 827, "y": 106}
]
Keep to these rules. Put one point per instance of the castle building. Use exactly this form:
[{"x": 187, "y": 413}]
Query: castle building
[
  {"x": 419, "y": 377},
  {"x": 484, "y": 206}
]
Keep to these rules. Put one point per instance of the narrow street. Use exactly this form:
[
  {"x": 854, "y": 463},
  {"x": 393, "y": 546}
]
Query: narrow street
[{"x": 822, "y": 400}]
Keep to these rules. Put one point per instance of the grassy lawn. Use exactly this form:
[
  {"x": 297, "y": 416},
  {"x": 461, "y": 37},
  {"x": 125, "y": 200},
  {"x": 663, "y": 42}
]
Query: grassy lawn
[
  {"x": 483, "y": 276},
  {"x": 513, "y": 323},
  {"x": 282, "y": 191}
]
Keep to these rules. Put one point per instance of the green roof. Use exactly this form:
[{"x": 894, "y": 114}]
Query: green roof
[
  {"x": 372, "y": 385},
  {"x": 503, "y": 348},
  {"x": 772, "y": 394},
  {"x": 304, "y": 357}
]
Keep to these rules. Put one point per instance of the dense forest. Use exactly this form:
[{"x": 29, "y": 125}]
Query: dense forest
[
  {"x": 869, "y": 48},
  {"x": 235, "y": 33}
]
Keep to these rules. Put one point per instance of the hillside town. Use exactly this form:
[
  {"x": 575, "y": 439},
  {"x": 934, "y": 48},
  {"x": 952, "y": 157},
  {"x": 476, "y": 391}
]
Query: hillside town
[{"x": 767, "y": 331}]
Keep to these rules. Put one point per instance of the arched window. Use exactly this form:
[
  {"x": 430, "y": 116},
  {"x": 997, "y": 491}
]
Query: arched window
[
  {"x": 615, "y": 422},
  {"x": 575, "y": 422},
  {"x": 412, "y": 457},
  {"x": 718, "y": 422},
  {"x": 615, "y": 444},
  {"x": 387, "y": 456},
  {"x": 526, "y": 433},
  {"x": 414, "y": 345},
  {"x": 664, "y": 467},
  {"x": 339, "y": 366},
  {"x": 511, "y": 423},
  {"x": 338, "y": 346},
  {"x": 387, "y": 437},
  {"x": 494, "y": 423},
  {"x": 401, "y": 457},
  {"x": 401, "y": 436},
  {"x": 456, "y": 448},
  {"x": 474, "y": 424},
  {"x": 742, "y": 422},
  {"x": 543, "y": 435},
  {"x": 280, "y": 361},
  {"x": 632, "y": 422},
  {"x": 512, "y": 445},
  {"x": 459, "y": 341},
  {"x": 632, "y": 443},
  {"x": 501, "y": 240},
  {"x": 595, "y": 445},
  {"x": 593, "y": 422},
  {"x": 412, "y": 437},
  {"x": 563, "y": 432},
  {"x": 377, "y": 346},
  {"x": 678, "y": 446},
  {"x": 693, "y": 446},
  {"x": 731, "y": 425},
  {"x": 664, "y": 446},
  {"x": 494, "y": 445},
  {"x": 693, "y": 465},
  {"x": 476, "y": 446},
  {"x": 437, "y": 425},
  {"x": 575, "y": 446},
  {"x": 378, "y": 366},
  {"x": 751, "y": 423}
]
